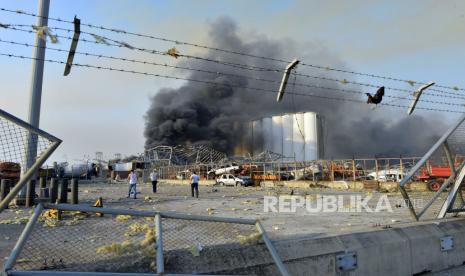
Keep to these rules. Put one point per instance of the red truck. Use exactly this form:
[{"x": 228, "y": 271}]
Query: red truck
[{"x": 434, "y": 175}]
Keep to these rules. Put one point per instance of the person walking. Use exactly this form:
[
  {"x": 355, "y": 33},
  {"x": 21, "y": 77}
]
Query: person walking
[
  {"x": 195, "y": 184},
  {"x": 154, "y": 179},
  {"x": 132, "y": 183}
]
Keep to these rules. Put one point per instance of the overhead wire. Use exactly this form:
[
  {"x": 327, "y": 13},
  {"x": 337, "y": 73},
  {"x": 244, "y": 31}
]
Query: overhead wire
[
  {"x": 120, "y": 31},
  {"x": 215, "y": 83},
  {"x": 116, "y": 43},
  {"x": 212, "y": 72}
]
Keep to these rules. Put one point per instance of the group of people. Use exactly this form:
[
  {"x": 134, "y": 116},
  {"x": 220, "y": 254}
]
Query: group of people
[{"x": 194, "y": 179}]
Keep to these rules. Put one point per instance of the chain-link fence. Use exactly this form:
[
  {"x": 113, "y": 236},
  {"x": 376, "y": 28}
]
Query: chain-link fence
[
  {"x": 76, "y": 238},
  {"x": 86, "y": 243},
  {"x": 23, "y": 149},
  {"x": 442, "y": 169}
]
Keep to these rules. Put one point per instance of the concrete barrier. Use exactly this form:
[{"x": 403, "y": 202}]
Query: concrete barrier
[{"x": 398, "y": 251}]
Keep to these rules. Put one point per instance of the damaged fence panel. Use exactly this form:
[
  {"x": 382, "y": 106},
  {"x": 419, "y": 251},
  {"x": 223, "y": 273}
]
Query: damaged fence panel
[
  {"x": 15, "y": 134},
  {"x": 451, "y": 148},
  {"x": 143, "y": 242}
]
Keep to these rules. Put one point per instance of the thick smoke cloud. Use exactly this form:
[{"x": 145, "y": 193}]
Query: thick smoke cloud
[{"x": 198, "y": 113}]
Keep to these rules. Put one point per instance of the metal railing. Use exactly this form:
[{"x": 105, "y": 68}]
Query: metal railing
[
  {"x": 358, "y": 169},
  {"x": 16, "y": 138},
  {"x": 108, "y": 241}
]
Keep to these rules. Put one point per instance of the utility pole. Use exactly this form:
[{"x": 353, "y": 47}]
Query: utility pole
[{"x": 36, "y": 90}]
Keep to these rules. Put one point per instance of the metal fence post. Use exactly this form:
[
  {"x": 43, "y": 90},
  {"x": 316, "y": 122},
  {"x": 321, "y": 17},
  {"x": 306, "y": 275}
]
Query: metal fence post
[
  {"x": 64, "y": 190},
  {"x": 42, "y": 186},
  {"x": 158, "y": 229},
  {"x": 74, "y": 191},
  {"x": 4, "y": 188},
  {"x": 30, "y": 193},
  {"x": 53, "y": 190},
  {"x": 353, "y": 170},
  {"x": 272, "y": 250}
]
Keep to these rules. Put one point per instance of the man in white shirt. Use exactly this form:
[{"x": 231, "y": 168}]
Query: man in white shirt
[
  {"x": 154, "y": 179},
  {"x": 195, "y": 184},
  {"x": 132, "y": 183}
]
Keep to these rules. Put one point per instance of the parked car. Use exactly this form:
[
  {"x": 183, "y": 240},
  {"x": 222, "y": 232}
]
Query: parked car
[
  {"x": 247, "y": 180},
  {"x": 224, "y": 170},
  {"x": 229, "y": 180},
  {"x": 392, "y": 175}
]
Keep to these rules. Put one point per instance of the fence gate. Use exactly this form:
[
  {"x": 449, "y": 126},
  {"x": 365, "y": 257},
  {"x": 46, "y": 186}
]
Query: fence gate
[{"x": 18, "y": 141}]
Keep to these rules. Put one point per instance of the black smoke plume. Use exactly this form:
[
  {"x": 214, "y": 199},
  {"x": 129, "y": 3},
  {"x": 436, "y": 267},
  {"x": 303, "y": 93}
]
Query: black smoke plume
[{"x": 199, "y": 113}]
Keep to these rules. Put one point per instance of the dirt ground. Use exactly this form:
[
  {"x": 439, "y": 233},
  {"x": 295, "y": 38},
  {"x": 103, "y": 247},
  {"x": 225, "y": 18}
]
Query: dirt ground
[{"x": 239, "y": 202}]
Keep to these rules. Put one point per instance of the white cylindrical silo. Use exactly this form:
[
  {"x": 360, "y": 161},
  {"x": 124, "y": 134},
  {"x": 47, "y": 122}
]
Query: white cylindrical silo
[
  {"x": 267, "y": 130},
  {"x": 288, "y": 148},
  {"x": 298, "y": 136},
  {"x": 257, "y": 136},
  {"x": 311, "y": 136},
  {"x": 277, "y": 134}
]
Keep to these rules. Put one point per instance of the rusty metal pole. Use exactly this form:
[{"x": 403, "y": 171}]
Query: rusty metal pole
[
  {"x": 74, "y": 191},
  {"x": 53, "y": 190},
  {"x": 332, "y": 170},
  {"x": 353, "y": 169},
  {"x": 401, "y": 167},
  {"x": 42, "y": 186},
  {"x": 5, "y": 186},
  {"x": 64, "y": 191},
  {"x": 30, "y": 193},
  {"x": 35, "y": 94}
]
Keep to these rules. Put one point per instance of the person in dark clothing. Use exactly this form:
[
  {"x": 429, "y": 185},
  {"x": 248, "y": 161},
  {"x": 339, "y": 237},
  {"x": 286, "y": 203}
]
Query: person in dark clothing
[
  {"x": 195, "y": 184},
  {"x": 154, "y": 179}
]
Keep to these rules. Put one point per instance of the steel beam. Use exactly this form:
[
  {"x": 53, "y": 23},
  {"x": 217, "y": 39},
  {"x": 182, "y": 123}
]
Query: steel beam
[
  {"x": 431, "y": 151},
  {"x": 159, "y": 229},
  {"x": 274, "y": 254}
]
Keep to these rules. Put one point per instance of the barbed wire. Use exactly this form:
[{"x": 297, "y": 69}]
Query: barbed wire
[
  {"x": 120, "y": 44},
  {"x": 120, "y": 31},
  {"x": 209, "y": 72},
  {"x": 218, "y": 84}
]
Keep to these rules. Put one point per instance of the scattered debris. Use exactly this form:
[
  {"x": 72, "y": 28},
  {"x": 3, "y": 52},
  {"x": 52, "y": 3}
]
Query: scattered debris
[
  {"x": 251, "y": 239},
  {"x": 124, "y": 44},
  {"x": 16, "y": 220},
  {"x": 117, "y": 249},
  {"x": 173, "y": 52},
  {"x": 137, "y": 228},
  {"x": 196, "y": 249},
  {"x": 100, "y": 39},
  {"x": 123, "y": 217},
  {"x": 44, "y": 32}
]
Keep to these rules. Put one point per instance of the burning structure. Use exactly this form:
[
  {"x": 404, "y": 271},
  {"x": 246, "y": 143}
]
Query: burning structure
[{"x": 199, "y": 114}]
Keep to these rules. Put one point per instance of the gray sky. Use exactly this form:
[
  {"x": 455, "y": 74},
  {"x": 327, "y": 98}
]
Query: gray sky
[{"x": 103, "y": 111}]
